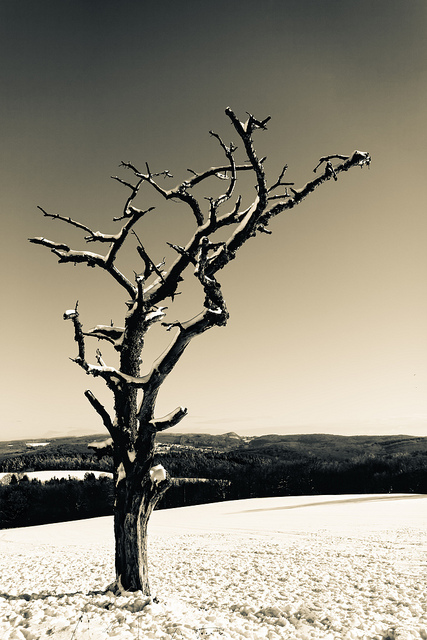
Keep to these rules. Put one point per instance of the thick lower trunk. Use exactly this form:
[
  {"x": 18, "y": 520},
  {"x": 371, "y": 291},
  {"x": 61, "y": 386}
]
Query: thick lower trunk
[
  {"x": 135, "y": 502},
  {"x": 130, "y": 528}
]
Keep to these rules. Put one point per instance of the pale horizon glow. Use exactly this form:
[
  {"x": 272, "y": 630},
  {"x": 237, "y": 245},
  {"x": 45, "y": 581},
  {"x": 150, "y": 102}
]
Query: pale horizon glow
[{"x": 328, "y": 315}]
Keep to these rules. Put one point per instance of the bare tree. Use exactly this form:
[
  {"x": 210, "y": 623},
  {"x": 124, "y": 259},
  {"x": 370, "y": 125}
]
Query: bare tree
[{"x": 133, "y": 428}]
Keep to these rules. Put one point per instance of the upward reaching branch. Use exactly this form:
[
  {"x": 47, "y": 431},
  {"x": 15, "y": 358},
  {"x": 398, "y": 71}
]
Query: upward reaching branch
[{"x": 134, "y": 425}]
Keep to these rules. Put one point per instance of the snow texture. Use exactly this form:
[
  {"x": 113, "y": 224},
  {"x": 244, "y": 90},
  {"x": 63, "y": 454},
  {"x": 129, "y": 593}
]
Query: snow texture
[
  {"x": 45, "y": 476},
  {"x": 294, "y": 568},
  {"x": 101, "y": 445},
  {"x": 36, "y": 444},
  {"x": 121, "y": 473},
  {"x": 70, "y": 314},
  {"x": 157, "y": 474}
]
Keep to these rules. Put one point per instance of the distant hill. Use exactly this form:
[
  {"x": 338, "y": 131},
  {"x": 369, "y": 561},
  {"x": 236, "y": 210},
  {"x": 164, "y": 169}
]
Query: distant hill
[
  {"x": 228, "y": 440},
  {"x": 334, "y": 447},
  {"x": 243, "y": 467},
  {"x": 78, "y": 444},
  {"x": 287, "y": 447},
  {"x": 323, "y": 446}
]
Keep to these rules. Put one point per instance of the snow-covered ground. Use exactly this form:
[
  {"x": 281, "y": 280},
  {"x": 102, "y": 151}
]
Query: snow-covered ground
[
  {"x": 44, "y": 476},
  {"x": 331, "y": 567}
]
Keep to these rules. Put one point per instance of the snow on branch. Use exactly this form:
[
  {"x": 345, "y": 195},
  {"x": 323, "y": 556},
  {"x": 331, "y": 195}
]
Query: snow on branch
[
  {"x": 54, "y": 246},
  {"x": 93, "y": 235},
  {"x": 214, "y": 314},
  {"x": 113, "y": 377},
  {"x": 179, "y": 192},
  {"x": 357, "y": 159},
  {"x": 252, "y": 123},
  {"x": 101, "y": 449},
  {"x": 172, "y": 419},
  {"x": 328, "y": 159},
  {"x": 65, "y": 255},
  {"x": 158, "y": 474},
  {"x": 113, "y": 335},
  {"x": 72, "y": 314},
  {"x": 155, "y": 315},
  {"x": 217, "y": 172},
  {"x": 146, "y": 304}
]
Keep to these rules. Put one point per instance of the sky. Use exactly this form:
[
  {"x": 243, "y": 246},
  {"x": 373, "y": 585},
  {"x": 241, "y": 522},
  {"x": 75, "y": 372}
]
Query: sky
[{"x": 328, "y": 315}]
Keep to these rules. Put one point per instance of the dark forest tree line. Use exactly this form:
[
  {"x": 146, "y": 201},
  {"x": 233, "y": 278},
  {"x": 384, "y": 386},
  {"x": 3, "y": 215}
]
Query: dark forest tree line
[{"x": 234, "y": 476}]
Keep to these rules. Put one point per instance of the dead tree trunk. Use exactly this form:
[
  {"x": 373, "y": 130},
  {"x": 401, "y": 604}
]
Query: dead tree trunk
[
  {"x": 136, "y": 496},
  {"x": 139, "y": 484}
]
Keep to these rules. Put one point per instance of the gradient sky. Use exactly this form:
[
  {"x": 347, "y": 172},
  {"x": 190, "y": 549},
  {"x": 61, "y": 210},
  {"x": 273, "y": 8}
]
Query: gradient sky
[{"x": 328, "y": 327}]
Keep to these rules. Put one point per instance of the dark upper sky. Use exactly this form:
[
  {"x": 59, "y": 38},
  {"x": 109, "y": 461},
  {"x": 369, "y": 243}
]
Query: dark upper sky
[{"x": 329, "y": 314}]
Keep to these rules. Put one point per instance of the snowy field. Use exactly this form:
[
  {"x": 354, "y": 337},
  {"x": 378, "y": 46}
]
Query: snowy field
[
  {"x": 45, "y": 476},
  {"x": 331, "y": 567}
]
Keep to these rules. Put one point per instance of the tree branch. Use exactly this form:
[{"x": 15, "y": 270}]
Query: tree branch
[
  {"x": 53, "y": 246},
  {"x": 118, "y": 241},
  {"x": 357, "y": 159},
  {"x": 249, "y": 223},
  {"x": 68, "y": 220},
  {"x": 65, "y": 254},
  {"x": 179, "y": 192},
  {"x": 208, "y": 258},
  {"x": 214, "y": 314},
  {"x": 243, "y": 232},
  {"x": 247, "y": 220},
  {"x": 112, "y": 334},
  {"x": 113, "y": 377},
  {"x": 229, "y": 151},
  {"x": 93, "y": 235},
  {"x": 100, "y": 409},
  {"x": 328, "y": 158},
  {"x": 171, "y": 420},
  {"x": 182, "y": 252},
  {"x": 72, "y": 314},
  {"x": 279, "y": 182},
  {"x": 150, "y": 267}
]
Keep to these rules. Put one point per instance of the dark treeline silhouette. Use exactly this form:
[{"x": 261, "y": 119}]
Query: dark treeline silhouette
[
  {"x": 26, "y": 502},
  {"x": 260, "y": 475},
  {"x": 233, "y": 474}
]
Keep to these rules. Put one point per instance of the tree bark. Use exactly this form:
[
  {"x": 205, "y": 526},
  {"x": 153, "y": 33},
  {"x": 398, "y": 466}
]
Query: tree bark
[
  {"x": 135, "y": 498},
  {"x": 130, "y": 528}
]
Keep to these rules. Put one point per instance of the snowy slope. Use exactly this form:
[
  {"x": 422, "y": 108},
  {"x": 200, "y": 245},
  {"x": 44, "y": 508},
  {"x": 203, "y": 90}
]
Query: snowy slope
[
  {"x": 45, "y": 476},
  {"x": 335, "y": 567}
]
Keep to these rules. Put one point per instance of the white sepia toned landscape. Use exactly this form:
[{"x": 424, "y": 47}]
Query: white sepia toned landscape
[
  {"x": 116, "y": 128},
  {"x": 327, "y": 567}
]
